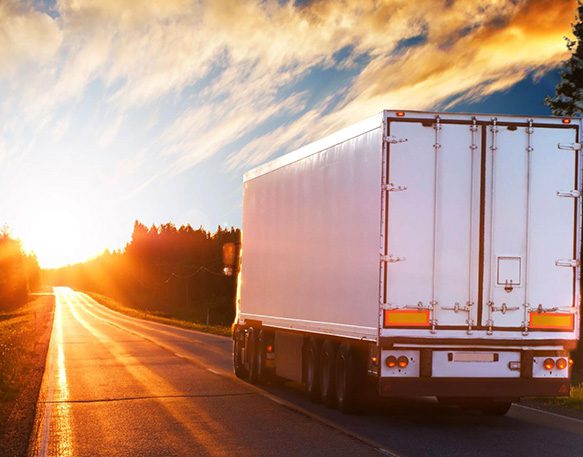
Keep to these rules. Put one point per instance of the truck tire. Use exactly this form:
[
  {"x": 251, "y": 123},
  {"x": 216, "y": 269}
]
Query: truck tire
[
  {"x": 251, "y": 355},
  {"x": 327, "y": 373},
  {"x": 313, "y": 370},
  {"x": 238, "y": 365},
  {"x": 261, "y": 356},
  {"x": 346, "y": 378}
]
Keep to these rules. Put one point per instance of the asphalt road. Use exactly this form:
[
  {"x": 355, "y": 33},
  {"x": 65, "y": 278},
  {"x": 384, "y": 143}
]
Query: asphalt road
[{"x": 118, "y": 386}]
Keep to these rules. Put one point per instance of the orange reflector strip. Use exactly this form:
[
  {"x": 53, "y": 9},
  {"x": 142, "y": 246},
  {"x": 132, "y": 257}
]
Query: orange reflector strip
[
  {"x": 406, "y": 318},
  {"x": 556, "y": 321}
]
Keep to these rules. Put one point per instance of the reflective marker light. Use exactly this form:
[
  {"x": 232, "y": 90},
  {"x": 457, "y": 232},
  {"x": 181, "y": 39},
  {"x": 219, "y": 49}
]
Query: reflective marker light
[
  {"x": 555, "y": 321},
  {"x": 400, "y": 113},
  {"x": 391, "y": 361},
  {"x": 549, "y": 364},
  {"x": 269, "y": 348},
  {"x": 406, "y": 318},
  {"x": 571, "y": 362},
  {"x": 566, "y": 121},
  {"x": 403, "y": 361},
  {"x": 561, "y": 363}
]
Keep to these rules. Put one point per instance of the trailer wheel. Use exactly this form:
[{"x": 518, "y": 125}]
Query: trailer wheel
[
  {"x": 327, "y": 373},
  {"x": 251, "y": 355},
  {"x": 345, "y": 378},
  {"x": 495, "y": 408},
  {"x": 313, "y": 370},
  {"x": 238, "y": 365},
  {"x": 261, "y": 356}
]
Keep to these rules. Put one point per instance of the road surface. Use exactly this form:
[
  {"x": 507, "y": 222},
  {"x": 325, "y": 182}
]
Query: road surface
[{"x": 119, "y": 386}]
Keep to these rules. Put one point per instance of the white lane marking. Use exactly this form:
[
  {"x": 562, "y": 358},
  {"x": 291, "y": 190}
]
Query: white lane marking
[
  {"x": 542, "y": 411},
  {"x": 279, "y": 401},
  {"x": 175, "y": 328},
  {"x": 46, "y": 418},
  {"x": 211, "y": 335},
  {"x": 263, "y": 393}
]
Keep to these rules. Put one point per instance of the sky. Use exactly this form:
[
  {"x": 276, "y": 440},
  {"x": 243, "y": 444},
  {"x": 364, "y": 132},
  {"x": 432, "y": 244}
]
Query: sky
[{"x": 115, "y": 110}]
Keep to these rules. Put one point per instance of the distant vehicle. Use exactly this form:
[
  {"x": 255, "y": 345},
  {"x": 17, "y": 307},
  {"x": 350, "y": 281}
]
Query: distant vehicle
[{"x": 426, "y": 254}]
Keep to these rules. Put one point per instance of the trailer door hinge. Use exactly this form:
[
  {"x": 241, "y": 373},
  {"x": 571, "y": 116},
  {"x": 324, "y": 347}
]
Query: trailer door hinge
[
  {"x": 394, "y": 140},
  {"x": 569, "y": 193},
  {"x": 570, "y": 146},
  {"x": 572, "y": 263},
  {"x": 392, "y": 259},
  {"x": 390, "y": 187}
]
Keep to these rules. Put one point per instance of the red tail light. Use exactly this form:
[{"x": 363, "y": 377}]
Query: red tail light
[
  {"x": 562, "y": 363},
  {"x": 403, "y": 361},
  {"x": 391, "y": 361},
  {"x": 549, "y": 364}
]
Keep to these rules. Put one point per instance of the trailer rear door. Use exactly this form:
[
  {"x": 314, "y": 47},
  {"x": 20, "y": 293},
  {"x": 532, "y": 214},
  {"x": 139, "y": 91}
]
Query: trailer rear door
[
  {"x": 480, "y": 226},
  {"x": 530, "y": 236},
  {"x": 433, "y": 224}
]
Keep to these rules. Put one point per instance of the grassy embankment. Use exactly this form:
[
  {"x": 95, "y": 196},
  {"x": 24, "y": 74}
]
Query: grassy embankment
[
  {"x": 575, "y": 400},
  {"x": 24, "y": 339},
  {"x": 156, "y": 317}
]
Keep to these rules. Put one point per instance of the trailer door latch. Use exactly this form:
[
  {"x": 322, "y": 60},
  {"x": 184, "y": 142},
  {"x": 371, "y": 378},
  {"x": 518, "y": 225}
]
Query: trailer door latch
[
  {"x": 570, "y": 146},
  {"x": 394, "y": 140},
  {"x": 390, "y": 187},
  {"x": 569, "y": 193},
  {"x": 571, "y": 263},
  {"x": 392, "y": 259}
]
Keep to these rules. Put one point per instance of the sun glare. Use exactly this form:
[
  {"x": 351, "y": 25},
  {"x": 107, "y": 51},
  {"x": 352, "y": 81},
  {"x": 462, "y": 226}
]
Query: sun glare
[{"x": 57, "y": 237}]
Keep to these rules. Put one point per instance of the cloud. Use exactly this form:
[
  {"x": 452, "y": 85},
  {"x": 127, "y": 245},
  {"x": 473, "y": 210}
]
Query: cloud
[
  {"x": 471, "y": 51},
  {"x": 25, "y": 36},
  {"x": 217, "y": 73}
]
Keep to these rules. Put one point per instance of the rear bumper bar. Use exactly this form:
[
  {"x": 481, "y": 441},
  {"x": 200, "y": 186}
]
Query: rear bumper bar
[{"x": 474, "y": 387}]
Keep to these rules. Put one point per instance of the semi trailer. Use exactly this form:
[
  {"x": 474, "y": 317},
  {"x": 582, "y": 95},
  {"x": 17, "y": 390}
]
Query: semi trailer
[{"x": 420, "y": 253}]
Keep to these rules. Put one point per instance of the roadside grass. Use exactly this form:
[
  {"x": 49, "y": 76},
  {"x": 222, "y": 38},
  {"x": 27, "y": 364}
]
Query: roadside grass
[
  {"x": 18, "y": 330},
  {"x": 575, "y": 400},
  {"x": 24, "y": 333},
  {"x": 115, "y": 305}
]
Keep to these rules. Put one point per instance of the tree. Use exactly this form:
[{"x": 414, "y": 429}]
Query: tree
[
  {"x": 19, "y": 272},
  {"x": 568, "y": 99}
]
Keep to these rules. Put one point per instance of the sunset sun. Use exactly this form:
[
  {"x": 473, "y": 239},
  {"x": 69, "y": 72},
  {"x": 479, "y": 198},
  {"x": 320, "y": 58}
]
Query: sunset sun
[{"x": 58, "y": 237}]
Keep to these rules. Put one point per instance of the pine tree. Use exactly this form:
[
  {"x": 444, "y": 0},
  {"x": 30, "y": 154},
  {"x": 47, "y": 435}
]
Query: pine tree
[{"x": 568, "y": 99}]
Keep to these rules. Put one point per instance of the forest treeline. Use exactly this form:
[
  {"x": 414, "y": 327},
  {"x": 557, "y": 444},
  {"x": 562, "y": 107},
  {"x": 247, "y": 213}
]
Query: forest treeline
[
  {"x": 19, "y": 272},
  {"x": 166, "y": 270}
]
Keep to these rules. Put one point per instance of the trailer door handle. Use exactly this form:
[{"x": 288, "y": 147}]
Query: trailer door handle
[
  {"x": 572, "y": 263},
  {"x": 570, "y": 146},
  {"x": 569, "y": 193}
]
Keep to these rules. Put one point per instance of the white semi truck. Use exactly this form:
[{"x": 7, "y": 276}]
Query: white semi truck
[{"x": 425, "y": 254}]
